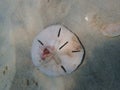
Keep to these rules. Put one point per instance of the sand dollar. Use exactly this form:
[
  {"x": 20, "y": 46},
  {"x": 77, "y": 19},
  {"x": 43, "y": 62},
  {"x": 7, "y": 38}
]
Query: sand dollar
[{"x": 57, "y": 51}]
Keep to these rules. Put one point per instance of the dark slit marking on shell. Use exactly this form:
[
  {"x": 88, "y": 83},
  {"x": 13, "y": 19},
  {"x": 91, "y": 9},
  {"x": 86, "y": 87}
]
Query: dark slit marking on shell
[
  {"x": 40, "y": 42},
  {"x": 63, "y": 68},
  {"x": 59, "y": 32},
  {"x": 63, "y": 45},
  {"x": 75, "y": 51}
]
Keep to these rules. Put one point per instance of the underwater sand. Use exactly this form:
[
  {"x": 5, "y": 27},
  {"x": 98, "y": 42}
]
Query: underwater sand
[{"x": 22, "y": 20}]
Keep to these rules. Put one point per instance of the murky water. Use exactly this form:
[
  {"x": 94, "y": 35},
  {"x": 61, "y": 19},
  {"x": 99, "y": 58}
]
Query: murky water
[{"x": 21, "y": 20}]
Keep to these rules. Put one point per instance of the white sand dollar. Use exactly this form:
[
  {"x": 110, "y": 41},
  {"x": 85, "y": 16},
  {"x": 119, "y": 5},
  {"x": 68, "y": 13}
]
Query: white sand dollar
[{"x": 57, "y": 51}]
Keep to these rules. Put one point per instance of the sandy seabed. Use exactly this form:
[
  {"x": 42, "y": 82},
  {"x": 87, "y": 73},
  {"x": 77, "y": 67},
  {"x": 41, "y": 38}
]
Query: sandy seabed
[{"x": 22, "y": 20}]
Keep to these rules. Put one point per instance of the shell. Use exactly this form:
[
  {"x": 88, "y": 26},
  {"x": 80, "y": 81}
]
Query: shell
[
  {"x": 62, "y": 51},
  {"x": 112, "y": 30},
  {"x": 107, "y": 29}
]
